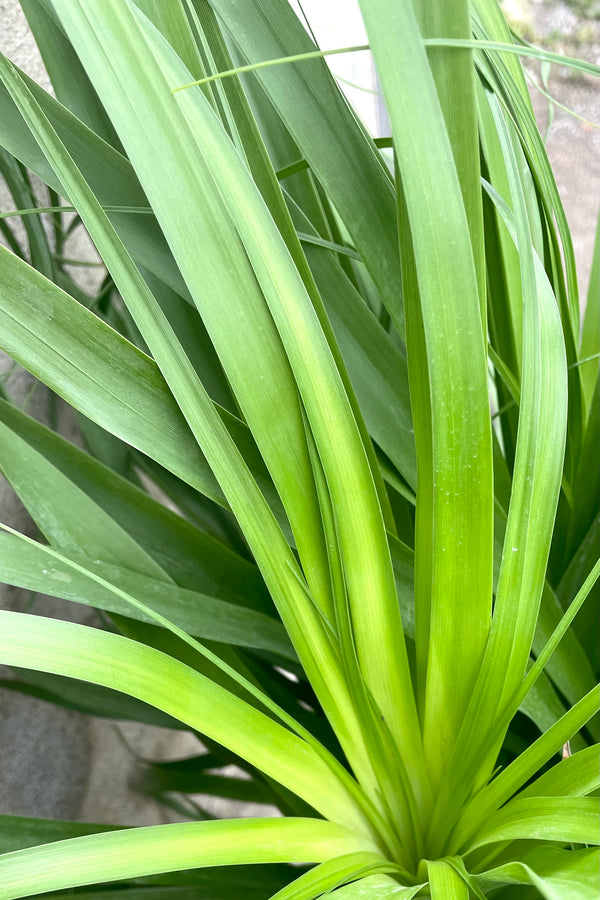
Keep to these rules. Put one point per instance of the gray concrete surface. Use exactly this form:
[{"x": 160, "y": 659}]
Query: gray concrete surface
[{"x": 57, "y": 763}]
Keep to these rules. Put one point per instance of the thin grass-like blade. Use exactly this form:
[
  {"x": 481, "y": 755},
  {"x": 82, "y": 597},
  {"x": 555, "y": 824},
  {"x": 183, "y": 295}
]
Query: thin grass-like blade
[
  {"x": 569, "y": 667},
  {"x": 376, "y": 366},
  {"x": 17, "y": 182},
  {"x": 454, "y": 75},
  {"x": 505, "y": 296},
  {"x": 539, "y": 457},
  {"x": 547, "y": 217},
  {"x": 585, "y": 484}
]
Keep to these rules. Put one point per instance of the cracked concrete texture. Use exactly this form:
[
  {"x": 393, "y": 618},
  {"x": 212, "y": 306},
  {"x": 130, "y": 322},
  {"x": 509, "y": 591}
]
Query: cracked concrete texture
[{"x": 58, "y": 763}]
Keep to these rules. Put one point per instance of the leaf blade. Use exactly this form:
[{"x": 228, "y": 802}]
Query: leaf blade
[{"x": 159, "y": 848}]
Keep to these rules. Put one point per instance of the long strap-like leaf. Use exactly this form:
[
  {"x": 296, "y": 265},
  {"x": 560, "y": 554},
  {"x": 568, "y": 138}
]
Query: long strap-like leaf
[
  {"x": 116, "y": 662},
  {"x": 166, "y": 848},
  {"x": 338, "y": 150},
  {"x": 454, "y": 540},
  {"x": 279, "y": 567}
]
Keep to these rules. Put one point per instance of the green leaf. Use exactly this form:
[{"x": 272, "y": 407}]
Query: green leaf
[
  {"x": 573, "y": 820},
  {"x": 548, "y": 650},
  {"x": 241, "y": 790},
  {"x": 590, "y": 340},
  {"x": 364, "y": 551},
  {"x": 376, "y": 887},
  {"x": 217, "y": 886},
  {"x": 542, "y": 704},
  {"x": 220, "y": 883},
  {"x": 17, "y": 183},
  {"x": 576, "y": 775},
  {"x": 251, "y": 352},
  {"x": 454, "y": 540},
  {"x": 104, "y": 376},
  {"x": 18, "y": 832},
  {"x": 239, "y": 122},
  {"x": 343, "y": 158},
  {"x": 89, "y": 699},
  {"x": 445, "y": 883},
  {"x": 524, "y": 767},
  {"x": 191, "y": 776},
  {"x": 539, "y": 457},
  {"x": 521, "y": 49},
  {"x": 192, "y": 559},
  {"x": 116, "y": 662},
  {"x": 160, "y": 848},
  {"x": 264, "y": 536},
  {"x": 569, "y": 666},
  {"x": 557, "y": 874},
  {"x": 333, "y": 873},
  {"x": 26, "y": 564},
  {"x": 174, "y": 23},
  {"x": 585, "y": 485},
  {"x": 223, "y": 668},
  {"x": 446, "y": 29},
  {"x": 110, "y": 174},
  {"x": 536, "y": 485},
  {"x": 70, "y": 83},
  {"x": 544, "y": 210},
  {"x": 64, "y": 514},
  {"x": 376, "y": 366},
  {"x": 582, "y": 563},
  {"x": 96, "y": 370},
  {"x": 195, "y": 224}
]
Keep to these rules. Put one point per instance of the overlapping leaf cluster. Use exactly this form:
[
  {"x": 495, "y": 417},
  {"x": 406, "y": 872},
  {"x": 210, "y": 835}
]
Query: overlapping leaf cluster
[{"x": 366, "y": 590}]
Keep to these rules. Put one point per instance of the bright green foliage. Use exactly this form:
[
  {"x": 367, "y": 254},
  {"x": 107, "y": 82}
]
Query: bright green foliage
[{"x": 300, "y": 349}]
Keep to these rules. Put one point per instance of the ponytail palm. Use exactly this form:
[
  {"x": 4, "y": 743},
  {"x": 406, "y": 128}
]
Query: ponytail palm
[{"x": 368, "y": 594}]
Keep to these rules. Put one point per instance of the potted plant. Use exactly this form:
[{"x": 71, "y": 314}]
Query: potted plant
[{"x": 356, "y": 370}]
